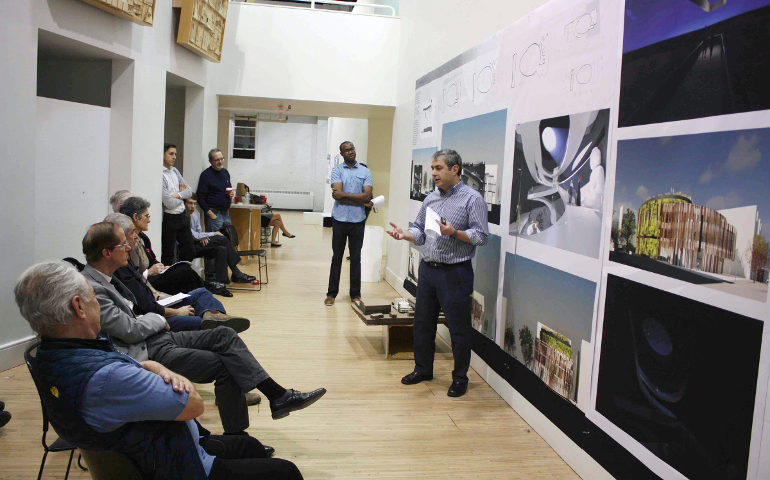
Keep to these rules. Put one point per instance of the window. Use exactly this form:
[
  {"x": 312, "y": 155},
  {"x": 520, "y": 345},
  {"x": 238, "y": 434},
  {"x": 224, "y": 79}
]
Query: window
[{"x": 245, "y": 139}]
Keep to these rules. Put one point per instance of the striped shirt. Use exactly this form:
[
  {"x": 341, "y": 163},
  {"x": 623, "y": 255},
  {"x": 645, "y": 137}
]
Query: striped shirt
[{"x": 466, "y": 210}]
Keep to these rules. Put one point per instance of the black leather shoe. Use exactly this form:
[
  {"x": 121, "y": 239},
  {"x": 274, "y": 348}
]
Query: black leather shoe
[
  {"x": 214, "y": 287},
  {"x": 414, "y": 378},
  {"x": 224, "y": 293},
  {"x": 243, "y": 278},
  {"x": 457, "y": 389},
  {"x": 294, "y": 400},
  {"x": 270, "y": 451}
]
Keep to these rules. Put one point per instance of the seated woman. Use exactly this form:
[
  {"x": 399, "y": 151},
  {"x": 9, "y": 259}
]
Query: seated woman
[
  {"x": 270, "y": 219},
  {"x": 178, "y": 278}
]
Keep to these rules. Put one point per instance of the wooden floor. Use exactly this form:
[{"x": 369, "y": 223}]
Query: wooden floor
[{"x": 367, "y": 426}]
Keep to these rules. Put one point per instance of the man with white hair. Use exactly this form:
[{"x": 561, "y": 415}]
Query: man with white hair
[
  {"x": 217, "y": 355},
  {"x": 99, "y": 399},
  {"x": 117, "y": 199}
]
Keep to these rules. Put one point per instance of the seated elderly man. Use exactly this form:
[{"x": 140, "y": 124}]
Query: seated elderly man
[
  {"x": 98, "y": 399},
  {"x": 199, "y": 311},
  {"x": 117, "y": 199},
  {"x": 216, "y": 249},
  {"x": 204, "y": 356}
]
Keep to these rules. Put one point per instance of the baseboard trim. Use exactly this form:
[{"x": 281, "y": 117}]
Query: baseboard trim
[{"x": 12, "y": 353}]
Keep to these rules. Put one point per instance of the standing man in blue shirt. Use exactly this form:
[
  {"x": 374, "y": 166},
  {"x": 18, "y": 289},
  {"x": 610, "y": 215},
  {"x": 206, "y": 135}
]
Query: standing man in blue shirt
[
  {"x": 446, "y": 273},
  {"x": 213, "y": 194},
  {"x": 352, "y": 189}
]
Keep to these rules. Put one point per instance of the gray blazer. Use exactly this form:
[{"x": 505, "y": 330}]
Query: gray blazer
[{"x": 128, "y": 331}]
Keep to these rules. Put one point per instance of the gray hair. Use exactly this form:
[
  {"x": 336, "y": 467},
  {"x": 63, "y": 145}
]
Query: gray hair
[
  {"x": 451, "y": 158},
  {"x": 44, "y": 294},
  {"x": 117, "y": 199},
  {"x": 212, "y": 152},
  {"x": 134, "y": 206},
  {"x": 123, "y": 221}
]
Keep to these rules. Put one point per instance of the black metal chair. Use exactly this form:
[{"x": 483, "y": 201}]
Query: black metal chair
[
  {"x": 60, "y": 444},
  {"x": 232, "y": 234}
]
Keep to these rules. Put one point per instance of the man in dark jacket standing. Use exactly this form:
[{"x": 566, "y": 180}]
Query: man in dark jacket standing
[{"x": 213, "y": 194}]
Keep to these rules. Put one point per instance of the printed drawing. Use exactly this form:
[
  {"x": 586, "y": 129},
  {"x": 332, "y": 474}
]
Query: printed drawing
[
  {"x": 586, "y": 25},
  {"x": 533, "y": 61},
  {"x": 580, "y": 76}
]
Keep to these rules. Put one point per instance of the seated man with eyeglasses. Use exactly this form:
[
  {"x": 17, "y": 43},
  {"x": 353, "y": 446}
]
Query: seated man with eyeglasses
[{"x": 203, "y": 356}]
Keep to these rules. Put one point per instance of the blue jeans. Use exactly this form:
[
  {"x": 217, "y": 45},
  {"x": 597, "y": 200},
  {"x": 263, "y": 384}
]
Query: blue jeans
[
  {"x": 213, "y": 225},
  {"x": 182, "y": 323},
  {"x": 202, "y": 301}
]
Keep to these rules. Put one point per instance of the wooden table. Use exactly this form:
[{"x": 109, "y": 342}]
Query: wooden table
[
  {"x": 397, "y": 332},
  {"x": 244, "y": 216}
]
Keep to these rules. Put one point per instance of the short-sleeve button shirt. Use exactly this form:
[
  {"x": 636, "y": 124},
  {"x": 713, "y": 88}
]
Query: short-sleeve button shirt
[{"x": 353, "y": 180}]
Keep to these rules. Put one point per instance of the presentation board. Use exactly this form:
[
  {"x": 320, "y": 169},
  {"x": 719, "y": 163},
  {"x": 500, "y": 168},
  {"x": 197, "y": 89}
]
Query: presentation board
[{"x": 621, "y": 151}]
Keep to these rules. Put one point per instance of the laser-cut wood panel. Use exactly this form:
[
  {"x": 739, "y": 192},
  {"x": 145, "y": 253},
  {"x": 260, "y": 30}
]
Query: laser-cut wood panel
[
  {"x": 202, "y": 27},
  {"x": 141, "y": 12}
]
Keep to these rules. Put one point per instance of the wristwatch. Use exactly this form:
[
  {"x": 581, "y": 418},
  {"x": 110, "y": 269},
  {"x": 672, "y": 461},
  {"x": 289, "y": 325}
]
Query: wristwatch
[{"x": 454, "y": 234}]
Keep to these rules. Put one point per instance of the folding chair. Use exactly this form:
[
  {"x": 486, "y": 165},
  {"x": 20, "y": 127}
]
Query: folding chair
[
  {"x": 60, "y": 445},
  {"x": 261, "y": 255}
]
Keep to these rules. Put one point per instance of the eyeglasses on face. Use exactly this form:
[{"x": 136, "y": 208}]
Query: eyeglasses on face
[{"x": 124, "y": 245}]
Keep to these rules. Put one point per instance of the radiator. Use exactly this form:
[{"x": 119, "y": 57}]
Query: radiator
[{"x": 287, "y": 200}]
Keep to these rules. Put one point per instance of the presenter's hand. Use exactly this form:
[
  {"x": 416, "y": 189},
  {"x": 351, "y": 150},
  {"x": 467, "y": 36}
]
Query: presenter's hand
[
  {"x": 396, "y": 233},
  {"x": 446, "y": 228},
  {"x": 211, "y": 215},
  {"x": 156, "y": 269},
  {"x": 338, "y": 194}
]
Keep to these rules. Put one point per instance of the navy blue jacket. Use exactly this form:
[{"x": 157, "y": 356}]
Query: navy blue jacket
[
  {"x": 145, "y": 300},
  {"x": 161, "y": 450},
  {"x": 212, "y": 193}
]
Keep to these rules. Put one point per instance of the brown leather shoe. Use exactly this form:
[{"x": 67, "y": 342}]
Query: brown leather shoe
[
  {"x": 329, "y": 301},
  {"x": 253, "y": 398},
  {"x": 212, "y": 319}
]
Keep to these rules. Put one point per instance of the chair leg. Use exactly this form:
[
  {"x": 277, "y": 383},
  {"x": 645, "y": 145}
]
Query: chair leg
[
  {"x": 42, "y": 465},
  {"x": 69, "y": 464},
  {"x": 80, "y": 464}
]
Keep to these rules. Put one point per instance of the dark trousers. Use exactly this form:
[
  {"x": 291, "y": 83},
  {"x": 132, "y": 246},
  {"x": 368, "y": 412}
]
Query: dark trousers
[
  {"x": 176, "y": 228},
  {"x": 449, "y": 288},
  {"x": 353, "y": 234},
  {"x": 182, "y": 323},
  {"x": 217, "y": 355},
  {"x": 217, "y": 255},
  {"x": 244, "y": 457},
  {"x": 180, "y": 278}
]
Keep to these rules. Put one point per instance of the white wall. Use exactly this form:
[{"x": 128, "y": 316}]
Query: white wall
[
  {"x": 285, "y": 157},
  {"x": 297, "y": 53},
  {"x": 744, "y": 219},
  {"x": 73, "y": 146}
]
